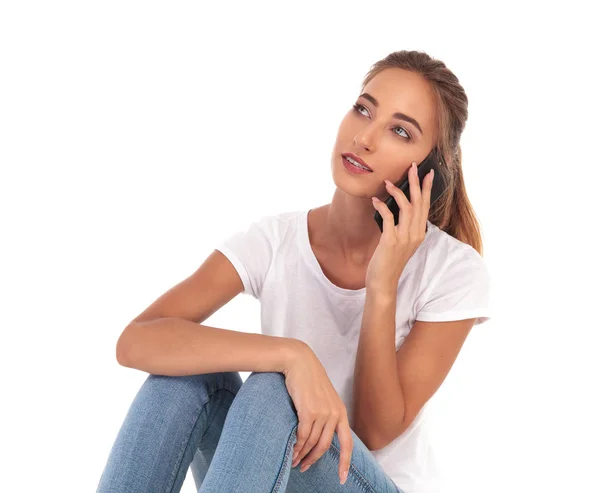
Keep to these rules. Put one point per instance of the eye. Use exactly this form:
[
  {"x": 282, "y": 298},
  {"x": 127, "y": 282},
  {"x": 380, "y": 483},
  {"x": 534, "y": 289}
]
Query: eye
[
  {"x": 407, "y": 134},
  {"x": 358, "y": 109}
]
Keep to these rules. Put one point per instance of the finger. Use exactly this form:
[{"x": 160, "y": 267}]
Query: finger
[
  {"x": 315, "y": 433},
  {"x": 303, "y": 432},
  {"x": 427, "y": 186},
  {"x": 322, "y": 445},
  {"x": 386, "y": 214},
  {"x": 313, "y": 439},
  {"x": 416, "y": 199},
  {"x": 399, "y": 196},
  {"x": 415, "y": 185},
  {"x": 421, "y": 212},
  {"x": 346, "y": 445},
  {"x": 405, "y": 206}
]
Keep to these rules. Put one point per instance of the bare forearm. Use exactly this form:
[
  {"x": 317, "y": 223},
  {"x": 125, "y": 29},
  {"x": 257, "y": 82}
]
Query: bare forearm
[
  {"x": 176, "y": 347},
  {"x": 378, "y": 403}
]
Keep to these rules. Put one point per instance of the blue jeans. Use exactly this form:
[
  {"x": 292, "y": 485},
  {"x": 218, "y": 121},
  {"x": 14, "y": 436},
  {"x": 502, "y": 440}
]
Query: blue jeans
[{"x": 235, "y": 437}]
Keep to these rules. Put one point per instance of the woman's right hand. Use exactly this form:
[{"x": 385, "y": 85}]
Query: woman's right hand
[{"x": 321, "y": 411}]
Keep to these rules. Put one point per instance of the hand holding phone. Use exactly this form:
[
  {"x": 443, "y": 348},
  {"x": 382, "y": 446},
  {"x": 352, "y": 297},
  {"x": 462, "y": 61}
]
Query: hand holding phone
[{"x": 438, "y": 188}]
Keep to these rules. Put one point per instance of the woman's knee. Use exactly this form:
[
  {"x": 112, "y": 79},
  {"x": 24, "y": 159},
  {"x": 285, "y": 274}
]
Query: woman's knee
[
  {"x": 268, "y": 383},
  {"x": 189, "y": 388},
  {"x": 266, "y": 391}
]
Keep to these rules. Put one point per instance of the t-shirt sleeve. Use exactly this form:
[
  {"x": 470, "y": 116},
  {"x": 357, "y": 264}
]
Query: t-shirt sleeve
[
  {"x": 251, "y": 253},
  {"x": 463, "y": 290}
]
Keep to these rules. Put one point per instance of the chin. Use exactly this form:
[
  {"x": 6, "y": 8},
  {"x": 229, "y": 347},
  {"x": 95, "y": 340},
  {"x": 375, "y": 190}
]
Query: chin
[{"x": 350, "y": 187}]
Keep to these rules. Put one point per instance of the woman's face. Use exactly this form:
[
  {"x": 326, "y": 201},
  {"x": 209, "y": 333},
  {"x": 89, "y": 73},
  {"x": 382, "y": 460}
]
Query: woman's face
[{"x": 387, "y": 144}]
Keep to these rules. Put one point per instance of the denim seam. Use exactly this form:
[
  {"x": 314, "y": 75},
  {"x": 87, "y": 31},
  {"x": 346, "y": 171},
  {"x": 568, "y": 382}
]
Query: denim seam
[
  {"x": 353, "y": 472},
  {"x": 179, "y": 461},
  {"x": 288, "y": 448}
]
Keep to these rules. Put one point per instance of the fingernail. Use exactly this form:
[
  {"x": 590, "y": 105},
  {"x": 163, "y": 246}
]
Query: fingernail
[
  {"x": 304, "y": 468},
  {"x": 344, "y": 477},
  {"x": 414, "y": 166},
  {"x": 295, "y": 455}
]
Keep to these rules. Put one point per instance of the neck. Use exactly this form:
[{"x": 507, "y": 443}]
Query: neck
[{"x": 349, "y": 227}]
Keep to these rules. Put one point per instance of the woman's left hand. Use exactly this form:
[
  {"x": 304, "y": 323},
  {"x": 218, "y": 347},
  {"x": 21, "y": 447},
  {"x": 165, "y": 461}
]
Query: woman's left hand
[{"x": 399, "y": 242}]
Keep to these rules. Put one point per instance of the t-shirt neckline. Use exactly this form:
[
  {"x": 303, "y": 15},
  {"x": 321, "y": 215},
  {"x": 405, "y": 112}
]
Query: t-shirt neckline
[{"x": 310, "y": 257}]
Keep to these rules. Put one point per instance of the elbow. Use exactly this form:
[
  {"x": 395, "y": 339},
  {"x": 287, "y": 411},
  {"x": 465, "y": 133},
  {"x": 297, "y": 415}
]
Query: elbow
[
  {"x": 375, "y": 442},
  {"x": 378, "y": 439},
  {"x": 124, "y": 349},
  {"x": 368, "y": 437},
  {"x": 378, "y": 443},
  {"x": 122, "y": 355}
]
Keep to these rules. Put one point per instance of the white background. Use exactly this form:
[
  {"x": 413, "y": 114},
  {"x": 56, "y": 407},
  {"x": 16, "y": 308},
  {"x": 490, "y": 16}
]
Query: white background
[{"x": 135, "y": 136}]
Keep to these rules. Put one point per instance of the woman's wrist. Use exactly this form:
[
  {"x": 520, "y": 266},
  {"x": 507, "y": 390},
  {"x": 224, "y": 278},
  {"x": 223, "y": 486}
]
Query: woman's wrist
[
  {"x": 383, "y": 294},
  {"x": 293, "y": 350}
]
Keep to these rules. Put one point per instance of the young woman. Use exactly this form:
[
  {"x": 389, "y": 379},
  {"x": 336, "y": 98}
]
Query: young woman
[{"x": 359, "y": 327}]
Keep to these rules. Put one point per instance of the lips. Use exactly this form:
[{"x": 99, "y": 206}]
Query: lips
[{"x": 357, "y": 159}]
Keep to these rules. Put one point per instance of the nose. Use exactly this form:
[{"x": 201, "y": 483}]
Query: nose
[{"x": 365, "y": 138}]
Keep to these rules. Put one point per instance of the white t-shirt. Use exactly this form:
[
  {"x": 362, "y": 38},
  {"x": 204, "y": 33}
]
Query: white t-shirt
[{"x": 445, "y": 279}]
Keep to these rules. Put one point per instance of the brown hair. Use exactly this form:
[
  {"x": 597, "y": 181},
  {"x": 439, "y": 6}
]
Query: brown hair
[{"x": 453, "y": 212}]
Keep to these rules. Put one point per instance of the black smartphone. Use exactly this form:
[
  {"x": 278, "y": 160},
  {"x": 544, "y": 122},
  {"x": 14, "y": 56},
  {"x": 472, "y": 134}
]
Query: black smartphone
[{"x": 439, "y": 187}]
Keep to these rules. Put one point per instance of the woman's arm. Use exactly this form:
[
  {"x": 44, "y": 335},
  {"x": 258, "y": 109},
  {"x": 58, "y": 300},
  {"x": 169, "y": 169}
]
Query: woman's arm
[
  {"x": 175, "y": 346},
  {"x": 399, "y": 383},
  {"x": 166, "y": 338}
]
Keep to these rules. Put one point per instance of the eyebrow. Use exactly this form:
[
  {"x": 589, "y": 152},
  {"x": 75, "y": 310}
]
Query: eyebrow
[{"x": 399, "y": 116}]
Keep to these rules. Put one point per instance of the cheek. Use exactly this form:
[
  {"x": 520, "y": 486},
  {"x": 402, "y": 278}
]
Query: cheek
[
  {"x": 398, "y": 177},
  {"x": 346, "y": 128}
]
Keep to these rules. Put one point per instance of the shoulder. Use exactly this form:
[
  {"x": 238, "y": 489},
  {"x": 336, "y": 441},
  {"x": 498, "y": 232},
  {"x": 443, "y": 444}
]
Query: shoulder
[
  {"x": 443, "y": 243},
  {"x": 446, "y": 252},
  {"x": 280, "y": 218},
  {"x": 278, "y": 225}
]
